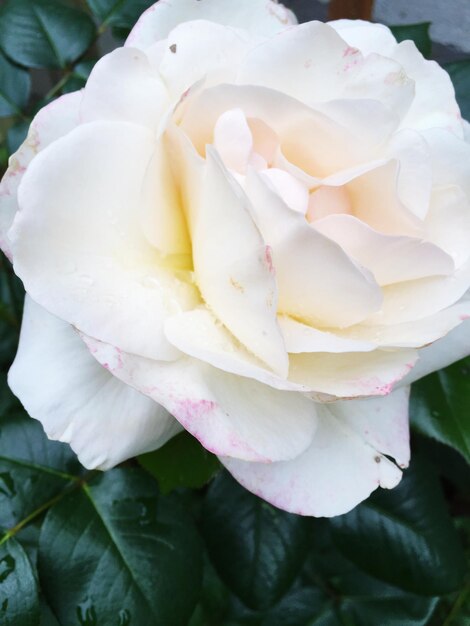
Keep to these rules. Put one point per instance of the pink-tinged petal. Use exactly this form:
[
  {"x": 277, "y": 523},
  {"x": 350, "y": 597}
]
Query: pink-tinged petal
[
  {"x": 367, "y": 37},
  {"x": 78, "y": 245},
  {"x": 417, "y": 299},
  {"x": 230, "y": 415},
  {"x": 383, "y": 423},
  {"x": 413, "y": 334},
  {"x": 309, "y": 139},
  {"x": 201, "y": 335},
  {"x": 123, "y": 86},
  {"x": 259, "y": 17},
  {"x": 448, "y": 222},
  {"x": 290, "y": 189},
  {"x": 233, "y": 266},
  {"x": 351, "y": 375},
  {"x": 441, "y": 353},
  {"x": 233, "y": 140},
  {"x": 78, "y": 401},
  {"x": 52, "y": 122},
  {"x": 338, "y": 471},
  {"x": 390, "y": 258},
  {"x": 300, "y": 338},
  {"x": 200, "y": 50},
  {"x": 314, "y": 275},
  {"x": 314, "y": 64}
]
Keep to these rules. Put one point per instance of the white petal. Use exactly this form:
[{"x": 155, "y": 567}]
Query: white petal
[
  {"x": 434, "y": 104},
  {"x": 448, "y": 222},
  {"x": 259, "y": 17},
  {"x": 233, "y": 267},
  {"x": 390, "y": 258},
  {"x": 199, "y": 334},
  {"x": 417, "y": 299},
  {"x": 441, "y": 353},
  {"x": 289, "y": 188},
  {"x": 79, "y": 402},
  {"x": 78, "y": 245},
  {"x": 450, "y": 158},
  {"x": 299, "y": 338},
  {"x": 351, "y": 375},
  {"x": 200, "y": 50},
  {"x": 314, "y": 275},
  {"x": 314, "y": 64},
  {"x": 336, "y": 473},
  {"x": 366, "y": 36},
  {"x": 52, "y": 122},
  {"x": 413, "y": 334},
  {"x": 309, "y": 139},
  {"x": 230, "y": 415},
  {"x": 233, "y": 140},
  {"x": 123, "y": 86},
  {"x": 383, "y": 423}
]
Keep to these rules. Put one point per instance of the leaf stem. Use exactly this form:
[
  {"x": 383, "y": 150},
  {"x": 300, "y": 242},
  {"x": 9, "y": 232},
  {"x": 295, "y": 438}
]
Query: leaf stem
[
  {"x": 455, "y": 610},
  {"x": 77, "y": 483}
]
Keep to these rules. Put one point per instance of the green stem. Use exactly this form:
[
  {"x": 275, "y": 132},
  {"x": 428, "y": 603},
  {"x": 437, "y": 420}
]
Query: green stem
[
  {"x": 457, "y": 605},
  {"x": 58, "y": 86},
  {"x": 78, "y": 482}
]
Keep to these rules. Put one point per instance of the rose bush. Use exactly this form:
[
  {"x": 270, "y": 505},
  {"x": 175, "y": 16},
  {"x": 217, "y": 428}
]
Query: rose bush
[{"x": 250, "y": 229}]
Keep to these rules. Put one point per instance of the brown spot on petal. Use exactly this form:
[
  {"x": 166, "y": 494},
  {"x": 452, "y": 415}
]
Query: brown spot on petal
[
  {"x": 173, "y": 48},
  {"x": 377, "y": 459},
  {"x": 237, "y": 285}
]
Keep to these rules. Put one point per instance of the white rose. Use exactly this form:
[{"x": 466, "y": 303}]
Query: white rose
[{"x": 255, "y": 227}]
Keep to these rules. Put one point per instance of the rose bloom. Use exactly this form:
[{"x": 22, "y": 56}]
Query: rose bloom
[{"x": 250, "y": 229}]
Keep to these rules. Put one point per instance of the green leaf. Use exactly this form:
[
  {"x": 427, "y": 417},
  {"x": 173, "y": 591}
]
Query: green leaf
[
  {"x": 15, "y": 85},
  {"x": 44, "y": 33},
  {"x": 79, "y": 76},
  {"x": 405, "y": 536},
  {"x": 136, "y": 557},
  {"x": 16, "y": 135},
  {"x": 359, "y": 599},
  {"x": 182, "y": 462},
  {"x": 459, "y": 72},
  {"x": 19, "y": 601},
  {"x": 256, "y": 549},
  {"x": 419, "y": 33},
  {"x": 120, "y": 13},
  {"x": 440, "y": 406},
  {"x": 306, "y": 607},
  {"x": 32, "y": 469}
]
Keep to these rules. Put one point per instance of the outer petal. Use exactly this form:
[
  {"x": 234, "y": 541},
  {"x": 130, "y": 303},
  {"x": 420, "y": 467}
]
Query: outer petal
[
  {"x": 454, "y": 346},
  {"x": 123, "y": 86},
  {"x": 230, "y": 415},
  {"x": 200, "y": 50},
  {"x": 313, "y": 273},
  {"x": 259, "y": 17},
  {"x": 331, "y": 477},
  {"x": 382, "y": 422},
  {"x": 78, "y": 245},
  {"x": 77, "y": 400},
  {"x": 366, "y": 36},
  {"x": 312, "y": 63},
  {"x": 390, "y": 258},
  {"x": 52, "y": 122},
  {"x": 233, "y": 267}
]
